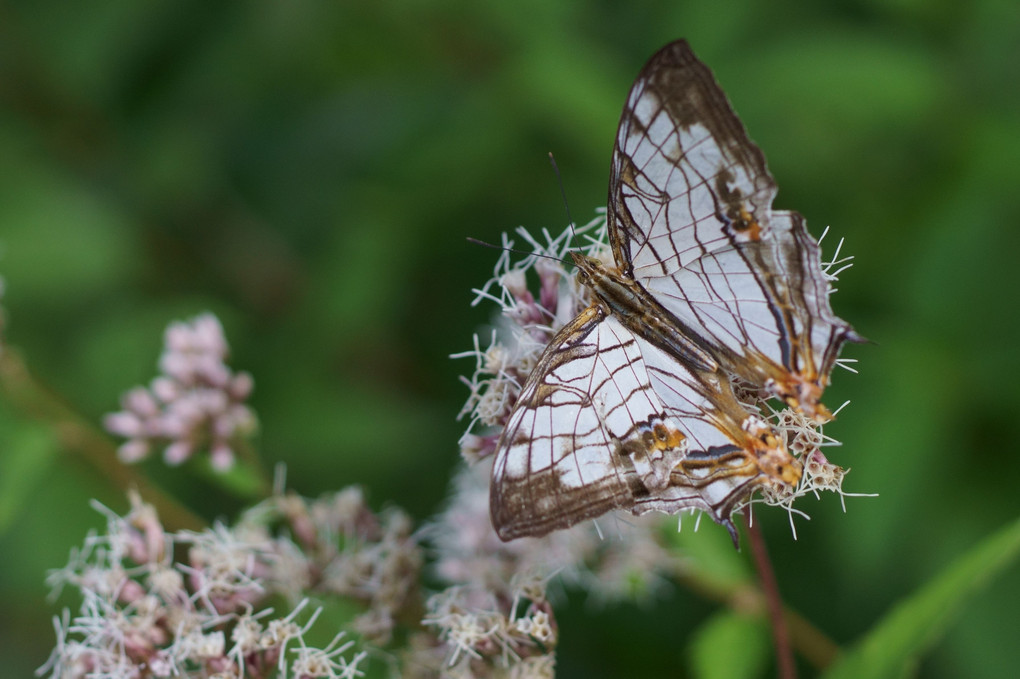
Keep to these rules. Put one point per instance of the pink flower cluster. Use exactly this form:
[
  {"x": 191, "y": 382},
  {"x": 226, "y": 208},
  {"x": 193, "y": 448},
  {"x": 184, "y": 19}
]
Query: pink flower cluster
[
  {"x": 196, "y": 404},
  {"x": 157, "y": 603}
]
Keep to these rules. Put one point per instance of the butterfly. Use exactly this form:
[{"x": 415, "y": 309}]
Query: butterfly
[{"x": 636, "y": 403}]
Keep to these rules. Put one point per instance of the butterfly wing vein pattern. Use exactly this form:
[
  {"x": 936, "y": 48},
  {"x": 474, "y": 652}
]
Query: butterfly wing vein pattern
[
  {"x": 589, "y": 433},
  {"x": 632, "y": 405}
]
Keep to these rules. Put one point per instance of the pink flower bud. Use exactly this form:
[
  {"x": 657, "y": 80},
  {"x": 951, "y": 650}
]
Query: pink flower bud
[
  {"x": 177, "y": 452},
  {"x": 140, "y": 401},
  {"x": 133, "y": 451},
  {"x": 241, "y": 386},
  {"x": 125, "y": 424},
  {"x": 165, "y": 389},
  {"x": 222, "y": 457},
  {"x": 212, "y": 370},
  {"x": 180, "y": 367},
  {"x": 131, "y": 591},
  {"x": 177, "y": 337},
  {"x": 207, "y": 335}
]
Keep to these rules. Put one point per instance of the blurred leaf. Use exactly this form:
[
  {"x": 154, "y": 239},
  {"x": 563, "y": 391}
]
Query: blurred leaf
[
  {"x": 63, "y": 240},
  {"x": 729, "y": 646},
  {"x": 710, "y": 558},
  {"x": 893, "y": 647},
  {"x": 26, "y": 454}
]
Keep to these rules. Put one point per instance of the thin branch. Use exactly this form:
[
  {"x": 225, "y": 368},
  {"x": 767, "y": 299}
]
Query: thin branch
[
  {"x": 813, "y": 645},
  {"x": 785, "y": 665},
  {"x": 77, "y": 435}
]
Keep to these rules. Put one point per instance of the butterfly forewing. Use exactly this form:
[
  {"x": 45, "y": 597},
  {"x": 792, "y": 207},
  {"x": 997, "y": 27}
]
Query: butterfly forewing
[
  {"x": 682, "y": 162},
  {"x": 692, "y": 223}
]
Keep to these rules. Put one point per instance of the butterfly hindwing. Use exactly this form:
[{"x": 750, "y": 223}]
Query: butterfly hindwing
[
  {"x": 731, "y": 450},
  {"x": 682, "y": 162},
  {"x": 588, "y": 433}
]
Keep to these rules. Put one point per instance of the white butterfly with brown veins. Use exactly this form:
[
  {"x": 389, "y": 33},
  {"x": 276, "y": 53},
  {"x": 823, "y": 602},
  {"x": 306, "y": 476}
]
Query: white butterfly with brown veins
[{"x": 632, "y": 404}]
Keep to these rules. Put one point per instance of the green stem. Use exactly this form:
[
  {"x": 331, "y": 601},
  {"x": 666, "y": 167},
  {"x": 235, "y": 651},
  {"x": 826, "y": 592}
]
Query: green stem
[{"x": 78, "y": 436}]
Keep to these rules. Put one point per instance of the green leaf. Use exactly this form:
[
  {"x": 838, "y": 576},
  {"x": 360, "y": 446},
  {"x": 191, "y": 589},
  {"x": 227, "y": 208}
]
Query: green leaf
[
  {"x": 26, "y": 453},
  {"x": 729, "y": 646},
  {"x": 892, "y": 647}
]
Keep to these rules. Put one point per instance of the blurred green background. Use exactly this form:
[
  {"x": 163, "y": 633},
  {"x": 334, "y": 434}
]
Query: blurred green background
[{"x": 309, "y": 171}]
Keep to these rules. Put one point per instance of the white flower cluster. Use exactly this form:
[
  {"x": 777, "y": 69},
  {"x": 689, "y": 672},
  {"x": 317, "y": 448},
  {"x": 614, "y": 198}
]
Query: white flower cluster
[
  {"x": 530, "y": 320},
  {"x": 197, "y": 403},
  {"x": 146, "y": 614},
  {"x": 488, "y": 635},
  {"x": 198, "y": 603}
]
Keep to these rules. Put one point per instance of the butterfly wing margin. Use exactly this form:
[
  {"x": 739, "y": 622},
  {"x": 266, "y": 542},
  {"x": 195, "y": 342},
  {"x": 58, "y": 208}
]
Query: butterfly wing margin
[
  {"x": 587, "y": 435},
  {"x": 692, "y": 222}
]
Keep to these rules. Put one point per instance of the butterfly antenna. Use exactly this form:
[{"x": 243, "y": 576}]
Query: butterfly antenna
[
  {"x": 514, "y": 250},
  {"x": 563, "y": 194}
]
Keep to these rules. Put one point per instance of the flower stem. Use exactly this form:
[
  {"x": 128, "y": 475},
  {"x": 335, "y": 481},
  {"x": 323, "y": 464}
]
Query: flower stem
[
  {"x": 77, "y": 435},
  {"x": 785, "y": 666}
]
